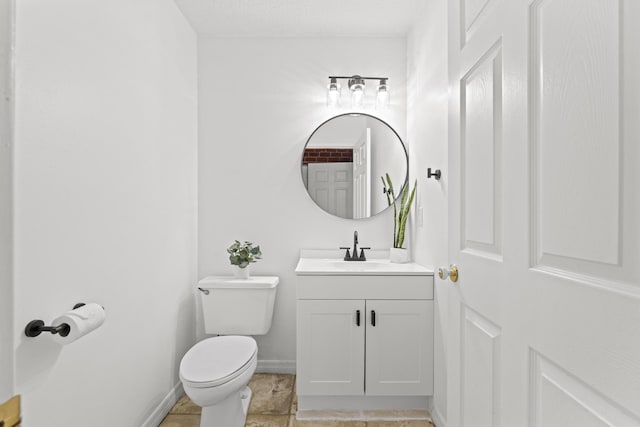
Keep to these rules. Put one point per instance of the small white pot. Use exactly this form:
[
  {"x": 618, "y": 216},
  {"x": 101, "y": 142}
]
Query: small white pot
[
  {"x": 241, "y": 273},
  {"x": 399, "y": 255}
]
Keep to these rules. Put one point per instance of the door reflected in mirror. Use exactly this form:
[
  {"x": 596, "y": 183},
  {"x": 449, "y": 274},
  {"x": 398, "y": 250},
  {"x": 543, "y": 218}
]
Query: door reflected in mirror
[{"x": 344, "y": 160}]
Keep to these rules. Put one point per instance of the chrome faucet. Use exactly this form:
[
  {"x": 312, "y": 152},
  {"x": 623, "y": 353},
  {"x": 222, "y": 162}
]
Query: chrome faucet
[{"x": 354, "y": 255}]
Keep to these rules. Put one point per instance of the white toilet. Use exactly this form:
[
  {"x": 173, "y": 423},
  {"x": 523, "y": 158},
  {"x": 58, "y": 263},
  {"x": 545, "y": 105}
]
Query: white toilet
[{"x": 215, "y": 372}]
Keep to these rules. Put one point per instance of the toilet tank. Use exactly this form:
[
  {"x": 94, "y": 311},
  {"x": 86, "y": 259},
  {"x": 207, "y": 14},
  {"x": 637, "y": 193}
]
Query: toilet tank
[{"x": 233, "y": 306}]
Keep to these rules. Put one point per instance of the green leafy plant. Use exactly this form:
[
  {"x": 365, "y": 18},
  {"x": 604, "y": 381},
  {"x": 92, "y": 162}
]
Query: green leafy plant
[
  {"x": 242, "y": 254},
  {"x": 401, "y": 215}
]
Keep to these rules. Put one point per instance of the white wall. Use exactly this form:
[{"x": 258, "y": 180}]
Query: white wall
[
  {"x": 427, "y": 107},
  {"x": 341, "y": 132},
  {"x": 6, "y": 202},
  {"x": 105, "y": 204},
  {"x": 260, "y": 99}
]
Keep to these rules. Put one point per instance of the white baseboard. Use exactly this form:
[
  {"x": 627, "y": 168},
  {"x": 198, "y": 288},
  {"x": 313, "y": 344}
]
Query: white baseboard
[
  {"x": 437, "y": 418},
  {"x": 164, "y": 407},
  {"x": 360, "y": 404},
  {"x": 276, "y": 367}
]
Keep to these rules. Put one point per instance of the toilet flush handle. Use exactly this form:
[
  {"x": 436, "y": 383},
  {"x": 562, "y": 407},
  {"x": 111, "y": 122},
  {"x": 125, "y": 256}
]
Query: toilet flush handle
[{"x": 204, "y": 291}]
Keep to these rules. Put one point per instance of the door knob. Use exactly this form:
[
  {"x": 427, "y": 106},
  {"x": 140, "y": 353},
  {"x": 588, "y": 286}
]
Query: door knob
[
  {"x": 443, "y": 273},
  {"x": 451, "y": 273}
]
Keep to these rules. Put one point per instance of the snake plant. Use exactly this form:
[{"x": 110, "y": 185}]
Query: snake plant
[{"x": 401, "y": 215}]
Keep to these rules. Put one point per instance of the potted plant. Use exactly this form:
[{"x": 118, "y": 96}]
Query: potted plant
[
  {"x": 398, "y": 253},
  {"x": 241, "y": 255}
]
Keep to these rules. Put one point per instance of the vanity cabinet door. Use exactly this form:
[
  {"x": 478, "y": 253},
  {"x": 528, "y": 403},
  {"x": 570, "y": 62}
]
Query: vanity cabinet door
[
  {"x": 330, "y": 346},
  {"x": 399, "y": 348}
]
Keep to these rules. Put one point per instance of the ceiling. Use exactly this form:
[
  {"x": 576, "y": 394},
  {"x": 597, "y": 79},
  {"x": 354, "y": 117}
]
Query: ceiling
[{"x": 301, "y": 18}]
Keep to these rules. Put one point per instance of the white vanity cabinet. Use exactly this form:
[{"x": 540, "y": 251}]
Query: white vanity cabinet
[
  {"x": 331, "y": 347},
  {"x": 387, "y": 353},
  {"x": 399, "y": 348},
  {"x": 362, "y": 338}
]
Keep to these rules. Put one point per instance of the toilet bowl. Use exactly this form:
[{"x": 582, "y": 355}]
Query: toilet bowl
[{"x": 215, "y": 373}]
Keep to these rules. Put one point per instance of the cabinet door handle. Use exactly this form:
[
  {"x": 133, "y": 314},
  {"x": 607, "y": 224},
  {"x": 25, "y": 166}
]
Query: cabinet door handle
[
  {"x": 373, "y": 318},
  {"x": 357, "y": 317}
]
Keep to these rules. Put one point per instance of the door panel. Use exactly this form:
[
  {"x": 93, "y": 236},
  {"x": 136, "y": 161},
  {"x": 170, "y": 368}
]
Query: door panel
[
  {"x": 480, "y": 146},
  {"x": 581, "y": 114},
  {"x": 362, "y": 176},
  {"x": 471, "y": 17},
  {"x": 330, "y": 185},
  {"x": 576, "y": 129},
  {"x": 330, "y": 347},
  {"x": 480, "y": 354},
  {"x": 399, "y": 348},
  {"x": 560, "y": 399},
  {"x": 543, "y": 319}
]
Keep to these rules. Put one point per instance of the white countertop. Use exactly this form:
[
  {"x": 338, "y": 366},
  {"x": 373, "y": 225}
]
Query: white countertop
[{"x": 319, "y": 262}]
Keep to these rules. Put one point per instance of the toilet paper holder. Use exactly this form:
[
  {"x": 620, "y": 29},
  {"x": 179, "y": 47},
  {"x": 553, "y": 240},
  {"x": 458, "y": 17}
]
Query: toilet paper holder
[{"x": 36, "y": 327}]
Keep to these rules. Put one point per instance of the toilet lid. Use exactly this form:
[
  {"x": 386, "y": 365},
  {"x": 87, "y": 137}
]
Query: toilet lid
[{"x": 217, "y": 360}]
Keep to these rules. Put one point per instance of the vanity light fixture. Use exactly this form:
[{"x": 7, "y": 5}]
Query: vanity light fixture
[{"x": 356, "y": 86}]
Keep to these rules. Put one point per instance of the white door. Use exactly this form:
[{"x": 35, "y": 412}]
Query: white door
[
  {"x": 330, "y": 347},
  {"x": 362, "y": 176},
  {"x": 399, "y": 351},
  {"x": 544, "y": 225},
  {"x": 331, "y": 187}
]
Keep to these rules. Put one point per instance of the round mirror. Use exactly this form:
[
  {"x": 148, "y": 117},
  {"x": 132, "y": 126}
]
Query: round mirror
[{"x": 344, "y": 161}]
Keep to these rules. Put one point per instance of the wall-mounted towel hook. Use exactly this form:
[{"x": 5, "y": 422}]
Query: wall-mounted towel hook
[{"x": 437, "y": 174}]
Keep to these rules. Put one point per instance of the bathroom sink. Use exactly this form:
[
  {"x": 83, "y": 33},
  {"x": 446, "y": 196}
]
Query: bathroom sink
[
  {"x": 354, "y": 265},
  {"x": 329, "y": 263}
]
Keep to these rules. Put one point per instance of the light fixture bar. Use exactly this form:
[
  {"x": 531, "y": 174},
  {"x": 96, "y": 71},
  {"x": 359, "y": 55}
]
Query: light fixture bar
[{"x": 361, "y": 77}]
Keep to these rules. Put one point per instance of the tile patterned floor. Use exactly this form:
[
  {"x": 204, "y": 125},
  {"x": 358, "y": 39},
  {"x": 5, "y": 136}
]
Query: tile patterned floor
[{"x": 273, "y": 404}]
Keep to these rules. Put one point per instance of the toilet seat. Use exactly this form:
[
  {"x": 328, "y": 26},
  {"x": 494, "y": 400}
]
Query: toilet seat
[{"x": 216, "y": 361}]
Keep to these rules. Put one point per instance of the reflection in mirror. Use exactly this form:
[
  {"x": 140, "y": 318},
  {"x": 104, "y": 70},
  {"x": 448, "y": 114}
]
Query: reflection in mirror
[{"x": 343, "y": 161}]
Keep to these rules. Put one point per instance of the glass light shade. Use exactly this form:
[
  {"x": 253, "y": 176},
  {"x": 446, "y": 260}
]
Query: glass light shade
[
  {"x": 382, "y": 99},
  {"x": 356, "y": 86},
  {"x": 333, "y": 94},
  {"x": 357, "y": 95}
]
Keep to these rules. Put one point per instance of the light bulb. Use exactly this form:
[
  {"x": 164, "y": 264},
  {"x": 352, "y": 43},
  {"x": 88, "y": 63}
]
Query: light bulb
[
  {"x": 333, "y": 93},
  {"x": 357, "y": 97},
  {"x": 382, "y": 99},
  {"x": 356, "y": 85}
]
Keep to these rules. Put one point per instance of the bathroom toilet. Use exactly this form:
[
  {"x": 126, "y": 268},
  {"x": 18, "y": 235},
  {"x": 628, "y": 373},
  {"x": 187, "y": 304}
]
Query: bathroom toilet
[{"x": 215, "y": 372}]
